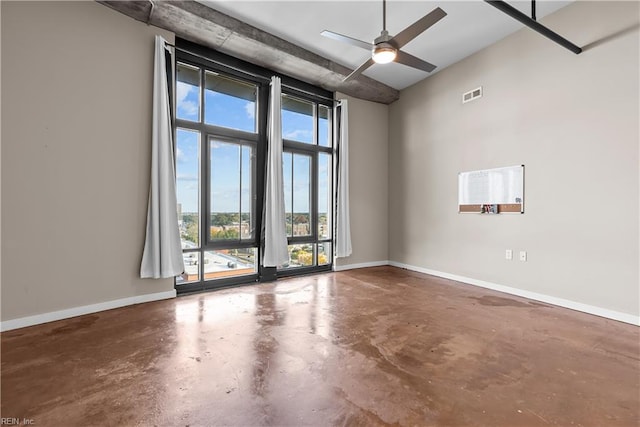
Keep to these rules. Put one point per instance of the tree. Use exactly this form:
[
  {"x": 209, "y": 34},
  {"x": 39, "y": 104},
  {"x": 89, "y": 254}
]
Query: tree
[
  {"x": 226, "y": 233},
  {"x": 221, "y": 219},
  {"x": 191, "y": 234},
  {"x": 305, "y": 258}
]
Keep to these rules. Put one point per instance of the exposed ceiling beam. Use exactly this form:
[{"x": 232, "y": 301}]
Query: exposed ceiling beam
[
  {"x": 200, "y": 24},
  {"x": 533, "y": 24}
]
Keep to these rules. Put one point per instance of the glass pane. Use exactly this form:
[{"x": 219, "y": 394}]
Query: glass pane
[
  {"x": 301, "y": 195},
  {"x": 324, "y": 126},
  {"x": 324, "y": 253},
  {"x": 188, "y": 93},
  {"x": 188, "y": 186},
  {"x": 301, "y": 255},
  {"x": 229, "y": 262},
  {"x": 229, "y": 103},
  {"x": 324, "y": 196},
  {"x": 287, "y": 173},
  {"x": 297, "y": 119},
  {"x": 191, "y": 268},
  {"x": 225, "y": 190},
  {"x": 246, "y": 194}
]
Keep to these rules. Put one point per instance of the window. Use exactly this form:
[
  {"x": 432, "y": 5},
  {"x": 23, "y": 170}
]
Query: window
[
  {"x": 229, "y": 103},
  {"x": 188, "y": 93},
  {"x": 216, "y": 174},
  {"x": 231, "y": 177},
  {"x": 220, "y": 144},
  {"x": 308, "y": 181},
  {"x": 297, "y": 193}
]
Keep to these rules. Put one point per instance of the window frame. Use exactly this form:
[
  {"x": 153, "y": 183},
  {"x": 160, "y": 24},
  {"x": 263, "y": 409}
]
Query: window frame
[
  {"x": 208, "y": 132},
  {"x": 223, "y": 244},
  {"x": 205, "y": 59},
  {"x": 312, "y": 149}
]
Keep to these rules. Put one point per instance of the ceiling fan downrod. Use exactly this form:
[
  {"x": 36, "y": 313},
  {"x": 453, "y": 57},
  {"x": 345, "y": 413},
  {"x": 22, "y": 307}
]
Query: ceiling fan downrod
[
  {"x": 382, "y": 51},
  {"x": 384, "y": 15}
]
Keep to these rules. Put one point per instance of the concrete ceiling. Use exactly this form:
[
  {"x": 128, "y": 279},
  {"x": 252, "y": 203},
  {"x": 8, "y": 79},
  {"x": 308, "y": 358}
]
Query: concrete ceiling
[{"x": 285, "y": 35}]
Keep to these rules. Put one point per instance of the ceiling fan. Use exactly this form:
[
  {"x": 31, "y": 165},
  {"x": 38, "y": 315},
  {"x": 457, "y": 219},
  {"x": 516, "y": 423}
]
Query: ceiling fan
[{"x": 385, "y": 48}]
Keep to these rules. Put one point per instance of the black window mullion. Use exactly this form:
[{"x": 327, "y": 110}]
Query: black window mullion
[
  {"x": 293, "y": 185},
  {"x": 260, "y": 168},
  {"x": 204, "y": 188},
  {"x": 206, "y": 172},
  {"x": 314, "y": 202},
  {"x": 240, "y": 147},
  {"x": 314, "y": 184}
]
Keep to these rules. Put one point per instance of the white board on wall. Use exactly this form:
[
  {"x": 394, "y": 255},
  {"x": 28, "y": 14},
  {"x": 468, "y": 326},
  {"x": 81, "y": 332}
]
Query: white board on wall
[{"x": 499, "y": 186}]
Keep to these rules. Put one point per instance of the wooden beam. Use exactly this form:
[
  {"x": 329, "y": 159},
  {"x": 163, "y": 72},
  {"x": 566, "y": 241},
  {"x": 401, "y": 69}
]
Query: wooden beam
[{"x": 208, "y": 27}]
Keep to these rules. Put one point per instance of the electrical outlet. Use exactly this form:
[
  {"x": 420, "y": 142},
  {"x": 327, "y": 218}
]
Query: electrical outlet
[
  {"x": 508, "y": 254},
  {"x": 523, "y": 255}
]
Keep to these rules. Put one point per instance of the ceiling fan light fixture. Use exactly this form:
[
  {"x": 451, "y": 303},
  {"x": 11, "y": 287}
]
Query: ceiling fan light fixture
[{"x": 383, "y": 53}]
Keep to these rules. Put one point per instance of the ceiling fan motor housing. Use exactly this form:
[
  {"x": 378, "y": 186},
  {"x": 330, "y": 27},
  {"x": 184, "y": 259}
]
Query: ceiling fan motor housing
[{"x": 383, "y": 37}]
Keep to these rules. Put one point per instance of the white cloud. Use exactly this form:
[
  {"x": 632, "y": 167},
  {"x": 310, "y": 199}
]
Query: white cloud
[
  {"x": 188, "y": 107},
  {"x": 299, "y": 135},
  {"x": 182, "y": 91},
  {"x": 180, "y": 157},
  {"x": 186, "y": 177},
  {"x": 250, "y": 108}
]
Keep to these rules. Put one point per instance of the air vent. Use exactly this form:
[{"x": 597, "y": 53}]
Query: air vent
[{"x": 472, "y": 95}]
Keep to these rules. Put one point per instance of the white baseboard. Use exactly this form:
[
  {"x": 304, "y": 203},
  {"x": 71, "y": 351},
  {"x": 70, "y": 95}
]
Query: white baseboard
[
  {"x": 361, "y": 265},
  {"x": 94, "y": 308},
  {"x": 585, "y": 308},
  {"x": 23, "y": 322}
]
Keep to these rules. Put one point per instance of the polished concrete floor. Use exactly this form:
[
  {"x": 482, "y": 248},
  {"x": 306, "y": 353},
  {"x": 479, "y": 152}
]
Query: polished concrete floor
[{"x": 377, "y": 346}]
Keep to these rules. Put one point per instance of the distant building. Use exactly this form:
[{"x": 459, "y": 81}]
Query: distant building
[{"x": 301, "y": 229}]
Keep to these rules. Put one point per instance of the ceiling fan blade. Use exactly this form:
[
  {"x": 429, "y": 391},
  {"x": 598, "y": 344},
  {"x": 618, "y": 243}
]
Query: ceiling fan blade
[
  {"x": 412, "y": 61},
  {"x": 415, "y": 29},
  {"x": 359, "y": 70},
  {"x": 347, "y": 39}
]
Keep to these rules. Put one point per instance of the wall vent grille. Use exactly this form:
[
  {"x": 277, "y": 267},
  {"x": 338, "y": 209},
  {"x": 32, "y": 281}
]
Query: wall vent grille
[{"x": 472, "y": 95}]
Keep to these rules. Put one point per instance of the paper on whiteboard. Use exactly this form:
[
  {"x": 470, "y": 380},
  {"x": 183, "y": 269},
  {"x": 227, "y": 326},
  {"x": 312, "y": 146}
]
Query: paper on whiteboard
[{"x": 491, "y": 186}]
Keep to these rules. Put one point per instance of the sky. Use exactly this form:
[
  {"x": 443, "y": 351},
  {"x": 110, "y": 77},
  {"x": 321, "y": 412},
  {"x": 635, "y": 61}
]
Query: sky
[{"x": 230, "y": 163}]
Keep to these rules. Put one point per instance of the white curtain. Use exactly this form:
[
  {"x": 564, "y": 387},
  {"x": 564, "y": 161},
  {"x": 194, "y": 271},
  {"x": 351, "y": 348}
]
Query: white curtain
[
  {"x": 275, "y": 232},
  {"x": 343, "y": 226},
  {"x": 162, "y": 256}
]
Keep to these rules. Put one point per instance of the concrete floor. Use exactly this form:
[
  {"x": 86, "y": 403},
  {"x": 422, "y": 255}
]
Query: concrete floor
[{"x": 377, "y": 346}]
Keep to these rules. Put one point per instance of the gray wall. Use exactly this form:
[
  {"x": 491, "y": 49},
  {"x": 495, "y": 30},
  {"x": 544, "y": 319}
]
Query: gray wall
[
  {"x": 368, "y": 179},
  {"x": 76, "y": 103},
  {"x": 572, "y": 120}
]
